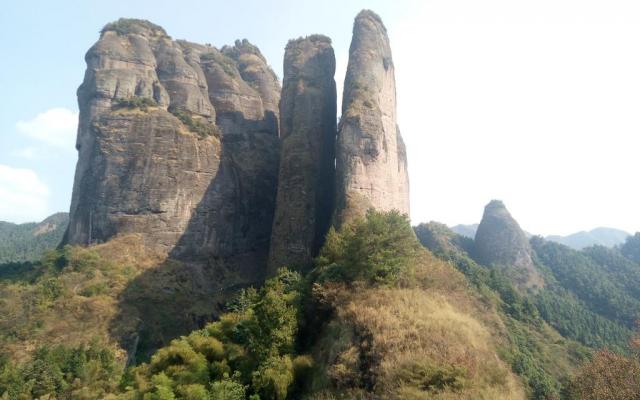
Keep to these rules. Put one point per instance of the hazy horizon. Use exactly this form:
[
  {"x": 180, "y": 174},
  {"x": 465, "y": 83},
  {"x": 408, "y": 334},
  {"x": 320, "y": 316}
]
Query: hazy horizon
[{"x": 533, "y": 104}]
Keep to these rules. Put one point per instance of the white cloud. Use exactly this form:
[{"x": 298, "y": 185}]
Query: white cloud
[
  {"x": 23, "y": 196},
  {"x": 55, "y": 127}
]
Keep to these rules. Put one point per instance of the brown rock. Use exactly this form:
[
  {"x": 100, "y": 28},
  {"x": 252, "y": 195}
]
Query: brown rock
[
  {"x": 371, "y": 163},
  {"x": 307, "y": 172},
  {"x": 158, "y": 165},
  {"x": 500, "y": 242}
]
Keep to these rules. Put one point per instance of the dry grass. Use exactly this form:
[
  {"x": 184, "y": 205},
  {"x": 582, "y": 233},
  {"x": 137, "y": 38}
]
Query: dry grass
[
  {"x": 430, "y": 339},
  {"x": 88, "y": 303}
]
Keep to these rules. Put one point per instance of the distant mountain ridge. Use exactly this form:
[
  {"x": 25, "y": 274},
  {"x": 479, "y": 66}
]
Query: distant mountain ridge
[
  {"x": 26, "y": 242},
  {"x": 608, "y": 237}
]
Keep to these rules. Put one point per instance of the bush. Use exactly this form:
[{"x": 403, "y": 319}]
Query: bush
[
  {"x": 125, "y": 26},
  {"x": 227, "y": 389},
  {"x": 143, "y": 103},
  {"x": 376, "y": 249},
  {"x": 248, "y": 351},
  {"x": 272, "y": 380},
  {"x": 62, "y": 372},
  {"x": 202, "y": 128}
]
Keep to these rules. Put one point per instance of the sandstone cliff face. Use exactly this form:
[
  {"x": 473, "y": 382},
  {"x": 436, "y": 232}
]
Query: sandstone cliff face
[
  {"x": 371, "y": 163},
  {"x": 500, "y": 241},
  {"x": 307, "y": 171},
  {"x": 175, "y": 144}
]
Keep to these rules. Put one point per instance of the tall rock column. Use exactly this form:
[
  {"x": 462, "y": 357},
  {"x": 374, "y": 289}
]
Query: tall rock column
[
  {"x": 371, "y": 162},
  {"x": 307, "y": 170}
]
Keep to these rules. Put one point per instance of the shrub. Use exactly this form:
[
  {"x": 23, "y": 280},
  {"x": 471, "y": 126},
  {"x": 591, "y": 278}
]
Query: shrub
[
  {"x": 125, "y": 26},
  {"x": 608, "y": 376},
  {"x": 272, "y": 380},
  {"x": 376, "y": 249},
  {"x": 143, "y": 103},
  {"x": 196, "y": 125},
  {"x": 227, "y": 389}
]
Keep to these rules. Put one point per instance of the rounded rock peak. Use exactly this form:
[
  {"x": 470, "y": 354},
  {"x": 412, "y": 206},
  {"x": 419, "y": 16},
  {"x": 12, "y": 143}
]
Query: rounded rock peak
[
  {"x": 241, "y": 47},
  {"x": 127, "y": 26},
  {"x": 369, "y": 15},
  {"x": 316, "y": 39},
  {"x": 495, "y": 205}
]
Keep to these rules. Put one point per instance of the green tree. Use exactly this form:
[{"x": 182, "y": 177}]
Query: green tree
[{"x": 375, "y": 249}]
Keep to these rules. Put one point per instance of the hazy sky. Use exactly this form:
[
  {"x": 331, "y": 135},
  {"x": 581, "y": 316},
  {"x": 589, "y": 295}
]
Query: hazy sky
[{"x": 536, "y": 103}]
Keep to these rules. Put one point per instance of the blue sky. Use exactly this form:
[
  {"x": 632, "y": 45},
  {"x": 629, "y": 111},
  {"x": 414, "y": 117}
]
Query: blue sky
[{"x": 535, "y": 103}]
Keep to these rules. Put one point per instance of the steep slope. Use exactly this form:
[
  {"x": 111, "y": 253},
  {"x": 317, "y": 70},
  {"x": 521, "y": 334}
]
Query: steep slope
[
  {"x": 535, "y": 350},
  {"x": 402, "y": 324},
  {"x": 500, "y": 241},
  {"x": 307, "y": 170},
  {"x": 371, "y": 162},
  {"x": 597, "y": 279},
  {"x": 27, "y": 242}
]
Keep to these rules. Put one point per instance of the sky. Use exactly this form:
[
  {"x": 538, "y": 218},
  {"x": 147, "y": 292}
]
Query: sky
[{"x": 536, "y": 103}]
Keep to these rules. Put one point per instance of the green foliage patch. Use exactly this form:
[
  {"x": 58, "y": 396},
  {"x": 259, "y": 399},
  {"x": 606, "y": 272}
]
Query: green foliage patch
[
  {"x": 142, "y": 103},
  {"x": 376, "y": 249},
  {"x": 249, "y": 351},
  {"x": 196, "y": 125}
]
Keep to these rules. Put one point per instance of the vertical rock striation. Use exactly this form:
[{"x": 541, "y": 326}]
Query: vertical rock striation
[
  {"x": 178, "y": 142},
  {"x": 499, "y": 241},
  {"x": 371, "y": 163},
  {"x": 307, "y": 170}
]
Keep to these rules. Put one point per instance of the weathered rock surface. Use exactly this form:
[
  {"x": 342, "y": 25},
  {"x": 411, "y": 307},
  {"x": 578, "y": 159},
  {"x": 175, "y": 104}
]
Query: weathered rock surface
[
  {"x": 371, "y": 163},
  {"x": 175, "y": 144},
  {"x": 501, "y": 242},
  {"x": 307, "y": 170}
]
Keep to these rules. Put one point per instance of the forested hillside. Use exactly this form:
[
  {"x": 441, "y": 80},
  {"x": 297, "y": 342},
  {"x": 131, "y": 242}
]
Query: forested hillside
[
  {"x": 27, "y": 242},
  {"x": 590, "y": 298},
  {"x": 378, "y": 316}
]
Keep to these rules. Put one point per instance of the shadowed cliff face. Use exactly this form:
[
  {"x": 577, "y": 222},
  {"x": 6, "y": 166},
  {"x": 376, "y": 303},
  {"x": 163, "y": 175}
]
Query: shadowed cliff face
[
  {"x": 307, "y": 172},
  {"x": 193, "y": 157},
  {"x": 371, "y": 163},
  {"x": 500, "y": 241}
]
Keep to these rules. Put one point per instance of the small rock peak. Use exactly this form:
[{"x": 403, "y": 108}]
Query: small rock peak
[
  {"x": 241, "y": 47},
  {"x": 127, "y": 26},
  {"x": 315, "y": 38},
  {"x": 495, "y": 204},
  {"x": 500, "y": 241},
  {"x": 496, "y": 207},
  {"x": 369, "y": 15}
]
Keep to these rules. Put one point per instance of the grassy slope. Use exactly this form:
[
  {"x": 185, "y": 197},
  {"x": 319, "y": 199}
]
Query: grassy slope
[
  {"x": 117, "y": 292},
  {"x": 432, "y": 338}
]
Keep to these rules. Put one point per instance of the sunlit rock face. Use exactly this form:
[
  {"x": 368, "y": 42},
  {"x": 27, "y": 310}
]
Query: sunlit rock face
[
  {"x": 371, "y": 162},
  {"x": 307, "y": 169},
  {"x": 178, "y": 142}
]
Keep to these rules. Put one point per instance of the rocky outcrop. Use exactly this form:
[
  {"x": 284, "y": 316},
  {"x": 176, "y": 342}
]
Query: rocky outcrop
[
  {"x": 500, "y": 242},
  {"x": 307, "y": 169},
  {"x": 178, "y": 142},
  {"x": 371, "y": 163}
]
